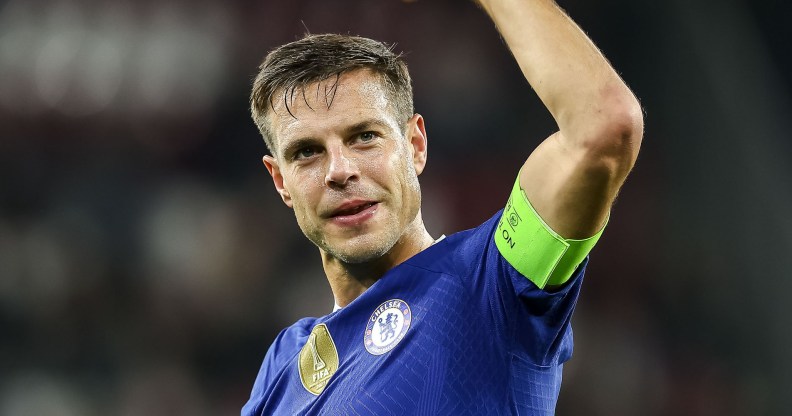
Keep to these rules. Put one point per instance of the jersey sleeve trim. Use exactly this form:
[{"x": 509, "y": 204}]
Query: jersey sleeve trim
[{"x": 533, "y": 248}]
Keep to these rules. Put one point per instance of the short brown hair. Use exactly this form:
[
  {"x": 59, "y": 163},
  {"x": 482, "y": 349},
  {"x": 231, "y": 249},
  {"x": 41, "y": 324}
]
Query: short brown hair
[{"x": 316, "y": 58}]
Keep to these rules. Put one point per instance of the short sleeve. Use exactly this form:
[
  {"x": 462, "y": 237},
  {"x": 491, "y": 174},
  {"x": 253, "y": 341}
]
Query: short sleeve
[{"x": 536, "y": 321}]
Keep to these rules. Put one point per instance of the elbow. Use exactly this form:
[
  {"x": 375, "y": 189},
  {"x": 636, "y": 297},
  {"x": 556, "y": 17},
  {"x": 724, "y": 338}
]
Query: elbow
[
  {"x": 615, "y": 138},
  {"x": 624, "y": 129}
]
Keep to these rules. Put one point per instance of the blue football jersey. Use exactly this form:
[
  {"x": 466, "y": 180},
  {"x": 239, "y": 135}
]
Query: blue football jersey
[{"x": 454, "y": 330}]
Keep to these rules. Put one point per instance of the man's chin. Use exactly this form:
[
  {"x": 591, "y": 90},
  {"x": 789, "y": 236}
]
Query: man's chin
[
  {"x": 357, "y": 256},
  {"x": 358, "y": 252}
]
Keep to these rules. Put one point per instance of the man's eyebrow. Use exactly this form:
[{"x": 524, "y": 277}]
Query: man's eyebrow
[
  {"x": 368, "y": 124},
  {"x": 295, "y": 144}
]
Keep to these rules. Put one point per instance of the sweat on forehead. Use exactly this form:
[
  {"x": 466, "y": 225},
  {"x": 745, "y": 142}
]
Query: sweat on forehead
[
  {"x": 320, "y": 95},
  {"x": 331, "y": 106}
]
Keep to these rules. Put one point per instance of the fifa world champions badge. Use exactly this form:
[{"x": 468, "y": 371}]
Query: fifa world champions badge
[
  {"x": 387, "y": 326},
  {"x": 318, "y": 360}
]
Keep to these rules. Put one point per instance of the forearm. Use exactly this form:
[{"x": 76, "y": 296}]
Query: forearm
[{"x": 587, "y": 98}]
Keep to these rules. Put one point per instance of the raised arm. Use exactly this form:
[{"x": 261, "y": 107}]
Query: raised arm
[{"x": 572, "y": 178}]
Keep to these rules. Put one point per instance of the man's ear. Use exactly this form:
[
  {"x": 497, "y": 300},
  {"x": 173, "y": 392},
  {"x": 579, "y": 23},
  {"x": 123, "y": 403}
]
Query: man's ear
[
  {"x": 416, "y": 133},
  {"x": 274, "y": 170}
]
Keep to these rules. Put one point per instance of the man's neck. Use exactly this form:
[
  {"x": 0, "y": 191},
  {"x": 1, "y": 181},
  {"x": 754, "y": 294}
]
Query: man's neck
[{"x": 348, "y": 281}]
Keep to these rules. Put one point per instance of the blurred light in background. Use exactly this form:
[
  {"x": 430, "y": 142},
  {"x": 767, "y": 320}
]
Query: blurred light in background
[
  {"x": 146, "y": 262},
  {"x": 117, "y": 58}
]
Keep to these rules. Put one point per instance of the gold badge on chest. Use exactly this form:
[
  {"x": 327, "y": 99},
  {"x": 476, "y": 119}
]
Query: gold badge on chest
[{"x": 318, "y": 360}]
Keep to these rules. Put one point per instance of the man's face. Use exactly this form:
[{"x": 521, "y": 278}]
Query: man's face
[{"x": 345, "y": 168}]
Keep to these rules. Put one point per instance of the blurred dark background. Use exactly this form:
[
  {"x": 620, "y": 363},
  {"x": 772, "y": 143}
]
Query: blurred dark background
[{"x": 146, "y": 262}]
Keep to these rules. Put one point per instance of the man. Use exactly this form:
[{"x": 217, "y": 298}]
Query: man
[{"x": 475, "y": 323}]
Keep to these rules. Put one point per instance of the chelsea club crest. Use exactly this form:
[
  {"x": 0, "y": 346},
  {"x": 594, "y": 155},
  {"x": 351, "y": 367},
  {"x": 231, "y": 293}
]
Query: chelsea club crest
[{"x": 387, "y": 326}]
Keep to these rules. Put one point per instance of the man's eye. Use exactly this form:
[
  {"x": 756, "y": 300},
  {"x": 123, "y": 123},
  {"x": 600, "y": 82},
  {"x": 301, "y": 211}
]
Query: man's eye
[
  {"x": 305, "y": 152},
  {"x": 367, "y": 136}
]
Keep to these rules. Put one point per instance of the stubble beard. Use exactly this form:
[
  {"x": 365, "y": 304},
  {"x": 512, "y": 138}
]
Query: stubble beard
[
  {"x": 358, "y": 249},
  {"x": 366, "y": 247},
  {"x": 372, "y": 246},
  {"x": 363, "y": 251}
]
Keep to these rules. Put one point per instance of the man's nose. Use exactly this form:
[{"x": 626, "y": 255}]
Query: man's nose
[{"x": 341, "y": 169}]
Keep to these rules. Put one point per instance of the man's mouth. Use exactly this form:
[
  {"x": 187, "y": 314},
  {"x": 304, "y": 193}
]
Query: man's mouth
[
  {"x": 353, "y": 213},
  {"x": 352, "y": 208}
]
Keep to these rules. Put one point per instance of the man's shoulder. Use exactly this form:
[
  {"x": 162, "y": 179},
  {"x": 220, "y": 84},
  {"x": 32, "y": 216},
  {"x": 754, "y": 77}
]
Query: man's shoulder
[
  {"x": 300, "y": 328},
  {"x": 290, "y": 340}
]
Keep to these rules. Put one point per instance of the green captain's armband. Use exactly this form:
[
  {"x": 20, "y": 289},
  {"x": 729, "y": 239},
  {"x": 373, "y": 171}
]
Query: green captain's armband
[{"x": 533, "y": 248}]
